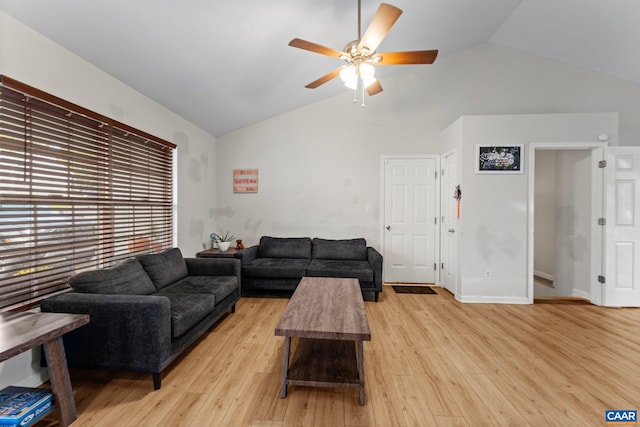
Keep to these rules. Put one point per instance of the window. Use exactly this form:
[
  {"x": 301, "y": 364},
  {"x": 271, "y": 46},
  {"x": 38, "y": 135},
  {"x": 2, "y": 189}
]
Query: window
[{"x": 78, "y": 191}]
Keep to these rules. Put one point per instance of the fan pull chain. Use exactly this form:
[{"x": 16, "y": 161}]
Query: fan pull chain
[
  {"x": 362, "y": 105},
  {"x": 355, "y": 95}
]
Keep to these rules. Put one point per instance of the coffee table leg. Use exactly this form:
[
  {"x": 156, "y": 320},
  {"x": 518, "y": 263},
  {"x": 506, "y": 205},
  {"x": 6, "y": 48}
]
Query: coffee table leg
[
  {"x": 285, "y": 367},
  {"x": 360, "y": 357}
]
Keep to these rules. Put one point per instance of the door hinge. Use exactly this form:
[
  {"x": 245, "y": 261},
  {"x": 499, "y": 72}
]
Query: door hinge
[
  {"x": 602, "y": 164},
  {"x": 435, "y": 220},
  {"x": 602, "y": 221},
  {"x": 601, "y": 279},
  {"x": 436, "y": 174},
  {"x": 442, "y": 265},
  {"x": 435, "y": 266},
  {"x": 442, "y": 172}
]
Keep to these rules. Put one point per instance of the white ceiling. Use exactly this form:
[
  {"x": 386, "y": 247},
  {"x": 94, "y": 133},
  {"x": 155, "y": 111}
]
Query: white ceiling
[{"x": 224, "y": 65}]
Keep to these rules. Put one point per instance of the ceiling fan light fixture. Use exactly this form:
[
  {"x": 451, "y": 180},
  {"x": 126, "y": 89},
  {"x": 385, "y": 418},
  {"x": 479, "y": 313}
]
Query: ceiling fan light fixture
[
  {"x": 349, "y": 76},
  {"x": 360, "y": 54},
  {"x": 366, "y": 71},
  {"x": 352, "y": 84}
]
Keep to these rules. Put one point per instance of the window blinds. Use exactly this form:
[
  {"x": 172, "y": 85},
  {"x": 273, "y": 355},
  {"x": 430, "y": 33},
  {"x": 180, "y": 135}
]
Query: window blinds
[{"x": 78, "y": 191}]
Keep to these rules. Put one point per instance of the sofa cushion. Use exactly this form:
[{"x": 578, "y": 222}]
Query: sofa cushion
[
  {"x": 187, "y": 310},
  {"x": 284, "y": 247},
  {"x": 349, "y": 249},
  {"x": 360, "y": 270},
  {"x": 278, "y": 268},
  {"x": 164, "y": 268},
  {"x": 128, "y": 278},
  {"x": 220, "y": 286}
]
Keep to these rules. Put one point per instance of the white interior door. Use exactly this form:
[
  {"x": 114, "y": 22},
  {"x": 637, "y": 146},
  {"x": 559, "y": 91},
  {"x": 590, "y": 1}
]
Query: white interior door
[
  {"x": 622, "y": 278},
  {"x": 410, "y": 201},
  {"x": 449, "y": 229}
]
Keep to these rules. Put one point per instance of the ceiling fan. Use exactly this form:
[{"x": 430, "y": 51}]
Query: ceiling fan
[{"x": 360, "y": 55}]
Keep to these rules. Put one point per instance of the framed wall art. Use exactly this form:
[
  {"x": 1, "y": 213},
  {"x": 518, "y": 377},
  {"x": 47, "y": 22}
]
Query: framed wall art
[
  {"x": 245, "y": 180},
  {"x": 499, "y": 159}
]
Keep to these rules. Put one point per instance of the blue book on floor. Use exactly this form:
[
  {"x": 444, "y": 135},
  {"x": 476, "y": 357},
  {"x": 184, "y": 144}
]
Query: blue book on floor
[{"x": 22, "y": 406}]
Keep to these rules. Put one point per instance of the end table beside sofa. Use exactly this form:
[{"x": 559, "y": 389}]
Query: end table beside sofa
[{"x": 217, "y": 253}]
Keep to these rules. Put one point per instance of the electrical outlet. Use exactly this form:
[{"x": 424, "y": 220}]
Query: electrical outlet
[{"x": 487, "y": 275}]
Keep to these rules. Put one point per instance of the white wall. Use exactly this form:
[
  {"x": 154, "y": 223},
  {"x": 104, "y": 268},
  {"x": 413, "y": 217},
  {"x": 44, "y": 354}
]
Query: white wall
[
  {"x": 493, "y": 232},
  {"x": 545, "y": 214},
  {"x": 573, "y": 221},
  {"x": 319, "y": 165},
  {"x": 562, "y": 221},
  {"x": 32, "y": 59}
]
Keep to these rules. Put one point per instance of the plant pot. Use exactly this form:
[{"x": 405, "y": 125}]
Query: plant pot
[{"x": 223, "y": 246}]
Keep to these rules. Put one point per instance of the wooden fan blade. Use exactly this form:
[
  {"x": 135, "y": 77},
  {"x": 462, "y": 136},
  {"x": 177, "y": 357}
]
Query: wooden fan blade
[
  {"x": 313, "y": 47},
  {"x": 322, "y": 80},
  {"x": 383, "y": 20},
  {"x": 413, "y": 57},
  {"x": 374, "y": 88}
]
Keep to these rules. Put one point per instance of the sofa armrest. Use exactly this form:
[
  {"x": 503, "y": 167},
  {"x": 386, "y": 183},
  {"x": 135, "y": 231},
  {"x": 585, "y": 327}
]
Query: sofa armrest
[
  {"x": 249, "y": 254},
  {"x": 130, "y": 332},
  {"x": 213, "y": 267},
  {"x": 375, "y": 259}
]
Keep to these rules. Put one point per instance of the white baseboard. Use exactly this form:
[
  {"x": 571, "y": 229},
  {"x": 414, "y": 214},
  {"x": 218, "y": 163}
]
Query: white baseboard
[
  {"x": 493, "y": 300},
  {"x": 543, "y": 275},
  {"x": 581, "y": 294}
]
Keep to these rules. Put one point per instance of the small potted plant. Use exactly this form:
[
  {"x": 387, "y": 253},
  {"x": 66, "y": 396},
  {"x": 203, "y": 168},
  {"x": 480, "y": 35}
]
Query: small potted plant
[{"x": 223, "y": 240}]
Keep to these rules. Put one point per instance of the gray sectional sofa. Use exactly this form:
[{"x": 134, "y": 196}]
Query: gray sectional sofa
[
  {"x": 145, "y": 312},
  {"x": 278, "y": 263}
]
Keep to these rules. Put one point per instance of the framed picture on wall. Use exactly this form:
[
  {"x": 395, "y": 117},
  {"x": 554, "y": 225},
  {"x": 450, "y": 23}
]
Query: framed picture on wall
[
  {"x": 245, "y": 180},
  {"x": 499, "y": 159}
]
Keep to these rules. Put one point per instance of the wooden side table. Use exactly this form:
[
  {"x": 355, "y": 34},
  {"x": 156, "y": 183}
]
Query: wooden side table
[
  {"x": 217, "y": 253},
  {"x": 20, "y": 332}
]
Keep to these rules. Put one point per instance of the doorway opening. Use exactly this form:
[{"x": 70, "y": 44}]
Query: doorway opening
[
  {"x": 565, "y": 241},
  {"x": 562, "y": 212}
]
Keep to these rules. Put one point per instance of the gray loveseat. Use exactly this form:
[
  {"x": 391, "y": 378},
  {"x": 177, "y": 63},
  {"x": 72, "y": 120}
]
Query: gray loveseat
[
  {"x": 278, "y": 263},
  {"x": 145, "y": 312}
]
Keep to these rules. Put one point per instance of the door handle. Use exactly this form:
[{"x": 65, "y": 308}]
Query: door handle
[
  {"x": 388, "y": 227},
  {"x": 451, "y": 230}
]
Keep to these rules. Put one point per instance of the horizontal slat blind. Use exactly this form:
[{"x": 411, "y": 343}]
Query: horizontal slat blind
[{"x": 76, "y": 193}]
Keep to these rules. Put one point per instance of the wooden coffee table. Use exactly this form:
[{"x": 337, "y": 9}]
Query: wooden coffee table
[{"x": 328, "y": 317}]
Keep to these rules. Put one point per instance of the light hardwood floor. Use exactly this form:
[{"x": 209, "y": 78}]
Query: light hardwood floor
[{"x": 431, "y": 362}]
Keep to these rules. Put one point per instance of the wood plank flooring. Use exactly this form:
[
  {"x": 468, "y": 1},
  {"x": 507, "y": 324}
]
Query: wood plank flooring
[{"x": 431, "y": 362}]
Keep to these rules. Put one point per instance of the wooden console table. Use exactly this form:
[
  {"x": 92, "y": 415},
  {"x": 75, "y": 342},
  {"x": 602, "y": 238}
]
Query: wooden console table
[
  {"x": 217, "y": 253},
  {"x": 20, "y": 332}
]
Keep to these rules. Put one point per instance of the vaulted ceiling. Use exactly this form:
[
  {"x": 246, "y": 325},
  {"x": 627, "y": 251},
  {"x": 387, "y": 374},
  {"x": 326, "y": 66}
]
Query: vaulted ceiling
[{"x": 224, "y": 65}]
